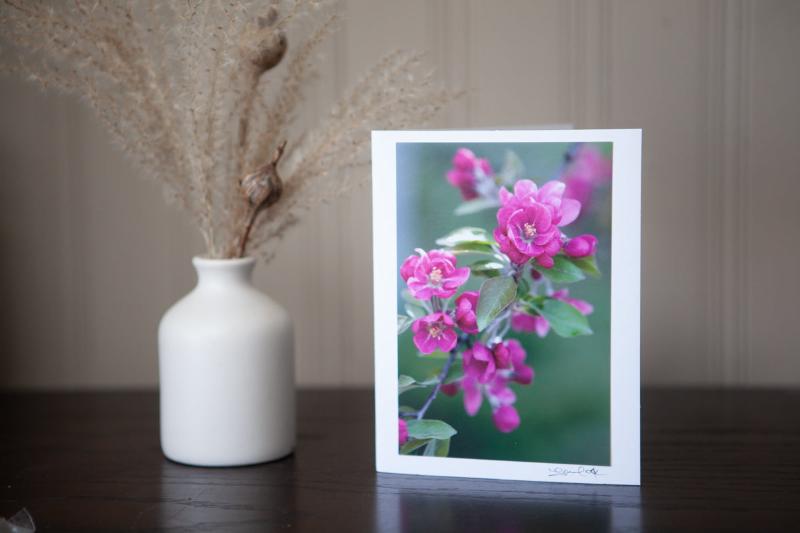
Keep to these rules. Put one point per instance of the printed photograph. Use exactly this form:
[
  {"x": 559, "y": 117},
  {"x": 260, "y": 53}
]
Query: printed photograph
[{"x": 503, "y": 281}]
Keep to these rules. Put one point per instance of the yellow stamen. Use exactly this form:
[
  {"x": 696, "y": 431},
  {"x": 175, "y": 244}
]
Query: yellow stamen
[
  {"x": 435, "y": 276},
  {"x": 530, "y": 230}
]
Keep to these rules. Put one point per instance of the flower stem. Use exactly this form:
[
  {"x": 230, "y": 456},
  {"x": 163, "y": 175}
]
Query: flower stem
[{"x": 439, "y": 380}]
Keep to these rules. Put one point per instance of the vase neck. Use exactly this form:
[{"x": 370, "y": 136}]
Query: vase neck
[{"x": 223, "y": 272}]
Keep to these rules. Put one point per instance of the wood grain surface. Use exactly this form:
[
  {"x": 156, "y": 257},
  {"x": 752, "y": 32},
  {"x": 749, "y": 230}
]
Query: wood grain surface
[{"x": 713, "y": 460}]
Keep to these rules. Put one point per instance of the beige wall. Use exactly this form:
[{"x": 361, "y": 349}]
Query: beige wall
[{"x": 91, "y": 257}]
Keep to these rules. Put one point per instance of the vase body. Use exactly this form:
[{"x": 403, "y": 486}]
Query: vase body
[{"x": 226, "y": 371}]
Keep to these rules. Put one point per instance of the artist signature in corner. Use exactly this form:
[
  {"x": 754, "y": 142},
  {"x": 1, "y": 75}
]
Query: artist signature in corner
[{"x": 582, "y": 471}]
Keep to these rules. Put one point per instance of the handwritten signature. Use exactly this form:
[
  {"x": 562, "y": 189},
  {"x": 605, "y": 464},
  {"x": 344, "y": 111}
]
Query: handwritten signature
[{"x": 579, "y": 471}]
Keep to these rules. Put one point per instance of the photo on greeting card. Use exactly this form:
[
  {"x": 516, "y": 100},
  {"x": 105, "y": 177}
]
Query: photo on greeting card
[{"x": 506, "y": 284}]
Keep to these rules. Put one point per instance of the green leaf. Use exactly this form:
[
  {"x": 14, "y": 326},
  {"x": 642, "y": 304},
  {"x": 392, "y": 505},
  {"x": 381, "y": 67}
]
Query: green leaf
[
  {"x": 587, "y": 264},
  {"x": 408, "y": 297},
  {"x": 437, "y": 448},
  {"x": 430, "y": 429},
  {"x": 495, "y": 295},
  {"x": 472, "y": 247},
  {"x": 512, "y": 169},
  {"x": 475, "y": 206},
  {"x": 405, "y": 409},
  {"x": 563, "y": 271},
  {"x": 466, "y": 234},
  {"x": 413, "y": 444},
  {"x": 406, "y": 383},
  {"x": 415, "y": 311},
  {"x": 523, "y": 287},
  {"x": 403, "y": 323},
  {"x": 487, "y": 267},
  {"x": 565, "y": 320}
]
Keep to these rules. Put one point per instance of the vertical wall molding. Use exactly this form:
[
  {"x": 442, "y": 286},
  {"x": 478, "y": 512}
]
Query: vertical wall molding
[
  {"x": 744, "y": 178},
  {"x": 711, "y": 122},
  {"x": 569, "y": 53},
  {"x": 585, "y": 63},
  {"x": 727, "y": 26}
]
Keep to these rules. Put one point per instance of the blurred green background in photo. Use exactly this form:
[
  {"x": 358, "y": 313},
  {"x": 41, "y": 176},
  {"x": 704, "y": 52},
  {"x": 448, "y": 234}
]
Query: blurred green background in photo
[{"x": 565, "y": 412}]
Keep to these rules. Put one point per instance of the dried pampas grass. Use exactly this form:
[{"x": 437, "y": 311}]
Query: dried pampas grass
[{"x": 189, "y": 90}]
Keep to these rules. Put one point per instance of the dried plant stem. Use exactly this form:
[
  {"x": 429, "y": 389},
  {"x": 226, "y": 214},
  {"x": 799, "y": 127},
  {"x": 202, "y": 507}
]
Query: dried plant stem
[{"x": 251, "y": 218}]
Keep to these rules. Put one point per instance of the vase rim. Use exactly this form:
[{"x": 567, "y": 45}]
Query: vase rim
[{"x": 200, "y": 260}]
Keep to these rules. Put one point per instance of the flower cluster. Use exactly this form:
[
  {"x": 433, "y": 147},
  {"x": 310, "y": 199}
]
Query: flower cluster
[
  {"x": 488, "y": 372},
  {"x": 467, "y": 172},
  {"x": 433, "y": 277},
  {"x": 526, "y": 254}
]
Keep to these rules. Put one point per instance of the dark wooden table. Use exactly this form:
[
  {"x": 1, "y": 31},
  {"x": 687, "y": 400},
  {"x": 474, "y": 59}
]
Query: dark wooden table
[{"x": 712, "y": 460}]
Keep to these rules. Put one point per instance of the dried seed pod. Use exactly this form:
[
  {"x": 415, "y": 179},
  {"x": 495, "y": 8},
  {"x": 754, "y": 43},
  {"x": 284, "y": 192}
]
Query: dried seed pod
[
  {"x": 256, "y": 188},
  {"x": 264, "y": 187},
  {"x": 270, "y": 51},
  {"x": 268, "y": 19}
]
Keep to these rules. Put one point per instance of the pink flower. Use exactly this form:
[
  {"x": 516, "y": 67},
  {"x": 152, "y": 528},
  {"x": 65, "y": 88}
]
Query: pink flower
[
  {"x": 499, "y": 393},
  {"x": 434, "y": 332},
  {"x": 408, "y": 266},
  {"x": 580, "y": 190},
  {"x": 528, "y": 233},
  {"x": 466, "y": 304},
  {"x": 551, "y": 193},
  {"x": 523, "y": 374},
  {"x": 528, "y": 221},
  {"x": 581, "y": 246},
  {"x": 566, "y": 210},
  {"x": 433, "y": 273},
  {"x": 506, "y": 418},
  {"x": 587, "y": 168},
  {"x": 530, "y": 323},
  {"x": 583, "y": 306},
  {"x": 504, "y": 352},
  {"x": 535, "y": 323},
  {"x": 500, "y": 396},
  {"x": 402, "y": 432},
  {"x": 532, "y": 234},
  {"x": 479, "y": 363},
  {"x": 467, "y": 169},
  {"x": 473, "y": 396}
]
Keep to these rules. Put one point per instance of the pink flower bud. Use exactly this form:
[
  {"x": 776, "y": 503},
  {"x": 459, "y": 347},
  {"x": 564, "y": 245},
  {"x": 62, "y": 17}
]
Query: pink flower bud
[
  {"x": 523, "y": 375},
  {"x": 402, "y": 431},
  {"x": 506, "y": 418},
  {"x": 450, "y": 389},
  {"x": 581, "y": 246},
  {"x": 466, "y": 304}
]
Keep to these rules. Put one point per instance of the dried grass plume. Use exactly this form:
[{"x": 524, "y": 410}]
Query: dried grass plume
[{"x": 190, "y": 90}]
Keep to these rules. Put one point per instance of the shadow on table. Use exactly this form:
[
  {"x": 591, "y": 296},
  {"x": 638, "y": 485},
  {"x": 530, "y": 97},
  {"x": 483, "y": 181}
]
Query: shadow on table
[{"x": 418, "y": 503}]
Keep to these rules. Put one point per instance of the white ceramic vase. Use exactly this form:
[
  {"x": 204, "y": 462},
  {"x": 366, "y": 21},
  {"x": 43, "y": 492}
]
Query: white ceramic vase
[{"x": 226, "y": 367}]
